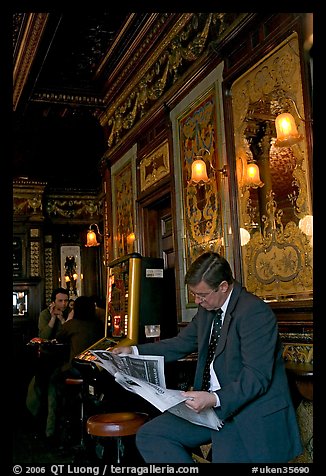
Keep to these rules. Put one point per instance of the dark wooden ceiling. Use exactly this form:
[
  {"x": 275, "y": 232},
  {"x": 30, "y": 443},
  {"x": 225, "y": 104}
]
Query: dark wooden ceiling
[{"x": 64, "y": 64}]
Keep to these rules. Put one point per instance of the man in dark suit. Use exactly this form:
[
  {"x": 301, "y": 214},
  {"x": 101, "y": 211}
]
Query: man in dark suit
[{"x": 247, "y": 388}]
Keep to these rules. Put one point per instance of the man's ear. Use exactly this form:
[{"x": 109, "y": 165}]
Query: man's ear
[{"x": 224, "y": 286}]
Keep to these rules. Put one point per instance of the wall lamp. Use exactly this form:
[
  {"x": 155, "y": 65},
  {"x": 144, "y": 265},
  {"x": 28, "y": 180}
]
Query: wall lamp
[
  {"x": 285, "y": 125},
  {"x": 199, "y": 170},
  {"x": 91, "y": 239},
  {"x": 286, "y": 129},
  {"x": 252, "y": 178}
]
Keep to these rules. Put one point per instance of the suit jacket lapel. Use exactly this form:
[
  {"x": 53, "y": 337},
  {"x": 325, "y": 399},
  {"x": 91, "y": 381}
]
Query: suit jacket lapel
[
  {"x": 208, "y": 319},
  {"x": 228, "y": 316}
]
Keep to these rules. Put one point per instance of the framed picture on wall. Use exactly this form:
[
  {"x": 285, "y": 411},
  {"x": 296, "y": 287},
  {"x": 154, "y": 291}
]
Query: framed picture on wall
[{"x": 154, "y": 166}]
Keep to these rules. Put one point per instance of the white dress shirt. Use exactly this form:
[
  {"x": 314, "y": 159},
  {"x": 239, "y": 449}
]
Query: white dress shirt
[{"x": 214, "y": 383}]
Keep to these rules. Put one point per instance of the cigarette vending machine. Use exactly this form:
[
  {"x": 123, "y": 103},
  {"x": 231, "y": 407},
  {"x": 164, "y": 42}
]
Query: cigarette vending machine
[{"x": 135, "y": 297}]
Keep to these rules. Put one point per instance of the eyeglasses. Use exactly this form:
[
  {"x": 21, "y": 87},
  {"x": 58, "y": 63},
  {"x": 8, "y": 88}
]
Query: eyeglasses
[{"x": 203, "y": 296}]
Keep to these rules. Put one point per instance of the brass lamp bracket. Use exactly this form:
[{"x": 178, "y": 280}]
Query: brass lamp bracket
[{"x": 224, "y": 170}]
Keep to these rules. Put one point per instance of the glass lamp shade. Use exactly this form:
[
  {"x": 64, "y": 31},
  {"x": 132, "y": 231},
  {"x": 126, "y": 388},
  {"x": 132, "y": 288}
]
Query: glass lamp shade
[
  {"x": 286, "y": 131},
  {"x": 130, "y": 242},
  {"x": 91, "y": 239},
  {"x": 244, "y": 236},
  {"x": 131, "y": 238},
  {"x": 198, "y": 172},
  {"x": 253, "y": 177},
  {"x": 306, "y": 225}
]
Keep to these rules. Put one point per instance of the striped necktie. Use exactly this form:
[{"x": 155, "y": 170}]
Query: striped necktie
[{"x": 217, "y": 324}]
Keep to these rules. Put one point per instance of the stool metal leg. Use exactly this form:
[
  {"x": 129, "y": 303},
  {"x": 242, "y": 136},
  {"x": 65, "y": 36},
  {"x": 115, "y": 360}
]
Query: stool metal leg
[
  {"x": 120, "y": 449},
  {"x": 82, "y": 441}
]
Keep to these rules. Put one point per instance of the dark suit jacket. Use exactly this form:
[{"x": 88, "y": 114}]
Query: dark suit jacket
[{"x": 255, "y": 399}]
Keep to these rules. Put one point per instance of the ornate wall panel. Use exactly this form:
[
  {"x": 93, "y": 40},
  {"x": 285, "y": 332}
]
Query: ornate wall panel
[
  {"x": 154, "y": 167},
  {"x": 123, "y": 181},
  {"x": 49, "y": 266},
  {"x": 28, "y": 199},
  {"x": 197, "y": 131},
  {"x": 35, "y": 267},
  {"x": 188, "y": 41},
  {"x": 277, "y": 259},
  {"x": 202, "y": 221},
  {"x": 73, "y": 206}
]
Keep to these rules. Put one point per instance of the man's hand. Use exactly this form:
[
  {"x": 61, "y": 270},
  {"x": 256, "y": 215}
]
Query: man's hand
[
  {"x": 55, "y": 314},
  {"x": 122, "y": 350},
  {"x": 199, "y": 400}
]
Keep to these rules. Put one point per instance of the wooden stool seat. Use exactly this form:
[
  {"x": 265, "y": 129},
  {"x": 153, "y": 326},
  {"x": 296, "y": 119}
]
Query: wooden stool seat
[
  {"x": 74, "y": 381},
  {"x": 115, "y": 424}
]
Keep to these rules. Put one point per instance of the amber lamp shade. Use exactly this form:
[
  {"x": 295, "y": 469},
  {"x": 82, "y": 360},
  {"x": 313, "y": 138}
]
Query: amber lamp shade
[
  {"x": 199, "y": 171},
  {"x": 131, "y": 238},
  {"x": 286, "y": 131},
  {"x": 91, "y": 239},
  {"x": 253, "y": 177}
]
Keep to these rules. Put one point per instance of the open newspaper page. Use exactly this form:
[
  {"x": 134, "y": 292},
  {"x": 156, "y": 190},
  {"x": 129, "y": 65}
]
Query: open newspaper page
[
  {"x": 144, "y": 376},
  {"x": 205, "y": 418},
  {"x": 161, "y": 398},
  {"x": 145, "y": 367}
]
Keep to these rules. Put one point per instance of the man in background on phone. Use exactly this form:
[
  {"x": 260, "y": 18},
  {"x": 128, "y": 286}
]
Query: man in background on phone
[
  {"x": 51, "y": 318},
  {"x": 41, "y": 393}
]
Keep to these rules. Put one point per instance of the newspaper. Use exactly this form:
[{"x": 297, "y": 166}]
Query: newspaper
[{"x": 144, "y": 376}]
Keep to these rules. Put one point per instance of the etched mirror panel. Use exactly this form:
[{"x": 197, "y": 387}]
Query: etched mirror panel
[{"x": 275, "y": 209}]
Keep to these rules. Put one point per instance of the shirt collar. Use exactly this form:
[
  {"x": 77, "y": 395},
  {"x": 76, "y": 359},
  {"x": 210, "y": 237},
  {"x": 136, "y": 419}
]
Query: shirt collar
[{"x": 226, "y": 303}]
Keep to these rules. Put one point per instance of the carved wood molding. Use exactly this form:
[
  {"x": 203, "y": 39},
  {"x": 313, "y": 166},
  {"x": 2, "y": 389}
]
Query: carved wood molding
[
  {"x": 187, "y": 42},
  {"x": 36, "y": 23}
]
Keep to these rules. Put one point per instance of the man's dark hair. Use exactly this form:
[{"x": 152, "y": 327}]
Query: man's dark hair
[
  {"x": 58, "y": 291},
  {"x": 211, "y": 268}
]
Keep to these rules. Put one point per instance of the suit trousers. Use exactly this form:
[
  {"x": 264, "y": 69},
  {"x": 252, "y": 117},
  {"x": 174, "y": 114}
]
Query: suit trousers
[{"x": 169, "y": 439}]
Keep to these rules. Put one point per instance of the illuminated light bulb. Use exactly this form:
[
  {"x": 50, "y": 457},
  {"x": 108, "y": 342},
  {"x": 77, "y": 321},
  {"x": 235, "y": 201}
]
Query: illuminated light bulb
[{"x": 286, "y": 130}]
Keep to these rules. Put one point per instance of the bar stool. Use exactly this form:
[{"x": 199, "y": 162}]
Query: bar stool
[
  {"x": 116, "y": 425},
  {"x": 78, "y": 383}
]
